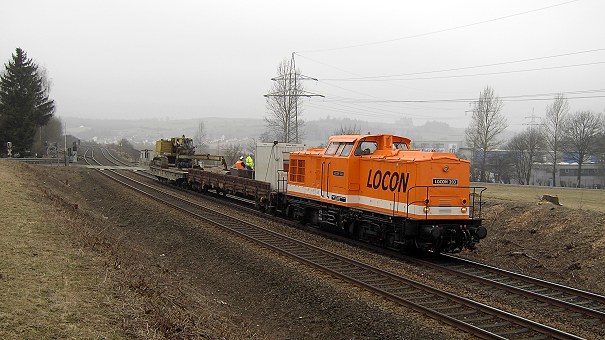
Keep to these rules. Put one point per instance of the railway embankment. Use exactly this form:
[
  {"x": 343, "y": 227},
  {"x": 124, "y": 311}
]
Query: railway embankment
[
  {"x": 83, "y": 257},
  {"x": 562, "y": 243},
  {"x": 111, "y": 264}
]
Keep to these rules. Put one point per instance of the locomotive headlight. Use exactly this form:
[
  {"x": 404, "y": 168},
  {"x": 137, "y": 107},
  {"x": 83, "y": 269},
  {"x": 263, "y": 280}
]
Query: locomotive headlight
[
  {"x": 426, "y": 210},
  {"x": 464, "y": 210}
]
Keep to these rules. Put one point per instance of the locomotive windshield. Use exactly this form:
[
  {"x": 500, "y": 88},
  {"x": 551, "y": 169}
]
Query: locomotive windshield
[
  {"x": 339, "y": 149},
  {"x": 332, "y": 147},
  {"x": 346, "y": 150}
]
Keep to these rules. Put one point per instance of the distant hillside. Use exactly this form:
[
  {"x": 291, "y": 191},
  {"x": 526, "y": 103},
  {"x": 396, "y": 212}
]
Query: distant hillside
[
  {"x": 150, "y": 130},
  {"x": 314, "y": 133}
]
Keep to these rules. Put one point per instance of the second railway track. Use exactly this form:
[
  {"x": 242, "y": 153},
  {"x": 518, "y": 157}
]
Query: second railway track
[{"x": 476, "y": 318}]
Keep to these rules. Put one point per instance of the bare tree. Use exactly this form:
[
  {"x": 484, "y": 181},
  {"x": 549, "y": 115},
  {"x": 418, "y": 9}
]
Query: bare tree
[
  {"x": 581, "y": 136},
  {"x": 47, "y": 135},
  {"x": 487, "y": 123},
  {"x": 232, "y": 152},
  {"x": 250, "y": 147},
  {"x": 200, "y": 139},
  {"x": 601, "y": 156},
  {"x": 284, "y": 104},
  {"x": 524, "y": 148},
  {"x": 128, "y": 150},
  {"x": 348, "y": 130},
  {"x": 553, "y": 130}
]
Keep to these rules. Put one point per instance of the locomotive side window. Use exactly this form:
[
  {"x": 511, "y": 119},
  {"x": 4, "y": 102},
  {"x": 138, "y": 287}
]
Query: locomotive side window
[
  {"x": 365, "y": 148},
  {"x": 331, "y": 149},
  {"x": 297, "y": 171},
  {"x": 346, "y": 150},
  {"x": 400, "y": 146}
]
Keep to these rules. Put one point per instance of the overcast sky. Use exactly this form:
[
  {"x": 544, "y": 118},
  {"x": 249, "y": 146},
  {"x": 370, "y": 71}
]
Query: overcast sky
[{"x": 374, "y": 60}]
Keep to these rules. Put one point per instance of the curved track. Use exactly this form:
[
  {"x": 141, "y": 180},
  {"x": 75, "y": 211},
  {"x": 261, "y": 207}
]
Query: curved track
[{"x": 476, "y": 318}]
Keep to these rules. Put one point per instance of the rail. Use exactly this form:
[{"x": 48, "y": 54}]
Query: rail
[
  {"x": 478, "y": 319},
  {"x": 35, "y": 160}
]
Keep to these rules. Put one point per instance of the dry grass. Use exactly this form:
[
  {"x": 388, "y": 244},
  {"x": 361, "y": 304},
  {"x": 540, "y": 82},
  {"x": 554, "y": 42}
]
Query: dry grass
[
  {"x": 48, "y": 288},
  {"x": 590, "y": 199},
  {"x": 64, "y": 274}
]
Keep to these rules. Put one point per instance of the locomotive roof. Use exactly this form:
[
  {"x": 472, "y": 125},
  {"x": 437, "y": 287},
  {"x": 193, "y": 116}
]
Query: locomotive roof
[{"x": 353, "y": 138}]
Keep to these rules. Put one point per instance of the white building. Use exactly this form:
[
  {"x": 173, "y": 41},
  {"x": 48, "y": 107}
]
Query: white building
[{"x": 593, "y": 175}]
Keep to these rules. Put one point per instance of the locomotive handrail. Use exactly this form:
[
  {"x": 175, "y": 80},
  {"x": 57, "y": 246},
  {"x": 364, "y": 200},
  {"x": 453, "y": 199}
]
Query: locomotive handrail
[
  {"x": 480, "y": 198},
  {"x": 321, "y": 181},
  {"x": 283, "y": 180},
  {"x": 472, "y": 197}
]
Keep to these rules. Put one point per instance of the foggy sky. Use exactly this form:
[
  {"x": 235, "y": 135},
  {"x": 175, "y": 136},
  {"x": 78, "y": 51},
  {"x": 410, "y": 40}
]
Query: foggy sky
[{"x": 196, "y": 59}]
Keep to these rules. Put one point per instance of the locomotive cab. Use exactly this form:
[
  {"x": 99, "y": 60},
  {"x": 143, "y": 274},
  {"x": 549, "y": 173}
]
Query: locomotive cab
[{"x": 375, "y": 188}]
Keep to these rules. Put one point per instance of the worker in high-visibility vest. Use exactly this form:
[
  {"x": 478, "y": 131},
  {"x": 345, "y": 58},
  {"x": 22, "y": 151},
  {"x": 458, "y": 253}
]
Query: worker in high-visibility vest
[{"x": 249, "y": 163}]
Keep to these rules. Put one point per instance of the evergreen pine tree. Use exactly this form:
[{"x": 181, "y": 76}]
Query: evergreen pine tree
[{"x": 24, "y": 102}]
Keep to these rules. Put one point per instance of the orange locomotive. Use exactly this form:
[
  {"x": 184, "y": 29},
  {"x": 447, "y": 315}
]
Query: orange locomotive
[{"x": 375, "y": 188}]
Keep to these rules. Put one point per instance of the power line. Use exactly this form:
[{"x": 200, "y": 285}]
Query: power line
[
  {"x": 357, "y": 111},
  {"x": 582, "y": 94},
  {"x": 289, "y": 92},
  {"x": 468, "y": 67},
  {"x": 467, "y": 100},
  {"x": 439, "y": 31},
  {"x": 339, "y": 99},
  {"x": 330, "y": 81},
  {"x": 466, "y": 75},
  {"x": 533, "y": 122}
]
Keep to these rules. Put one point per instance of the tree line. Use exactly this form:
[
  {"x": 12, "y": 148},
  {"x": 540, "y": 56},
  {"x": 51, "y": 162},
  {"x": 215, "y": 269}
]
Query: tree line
[
  {"x": 27, "y": 121},
  {"x": 579, "y": 135},
  {"x": 26, "y": 112}
]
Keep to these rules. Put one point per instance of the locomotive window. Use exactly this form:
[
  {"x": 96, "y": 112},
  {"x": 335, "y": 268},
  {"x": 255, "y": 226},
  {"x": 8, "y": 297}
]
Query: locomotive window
[
  {"x": 300, "y": 177},
  {"x": 365, "y": 148},
  {"x": 332, "y": 147},
  {"x": 346, "y": 150},
  {"x": 340, "y": 147},
  {"x": 297, "y": 171},
  {"x": 400, "y": 146}
]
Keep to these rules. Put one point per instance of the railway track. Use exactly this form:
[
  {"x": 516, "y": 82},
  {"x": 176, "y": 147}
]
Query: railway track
[
  {"x": 572, "y": 299},
  {"x": 473, "y": 317},
  {"x": 113, "y": 159}
]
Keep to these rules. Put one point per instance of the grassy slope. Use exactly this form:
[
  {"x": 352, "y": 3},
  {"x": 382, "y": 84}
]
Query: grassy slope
[
  {"x": 42, "y": 274},
  {"x": 590, "y": 199}
]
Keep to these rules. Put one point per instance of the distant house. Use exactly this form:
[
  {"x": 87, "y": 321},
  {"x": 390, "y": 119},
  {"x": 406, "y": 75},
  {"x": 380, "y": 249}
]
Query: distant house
[
  {"x": 452, "y": 146},
  {"x": 593, "y": 175}
]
